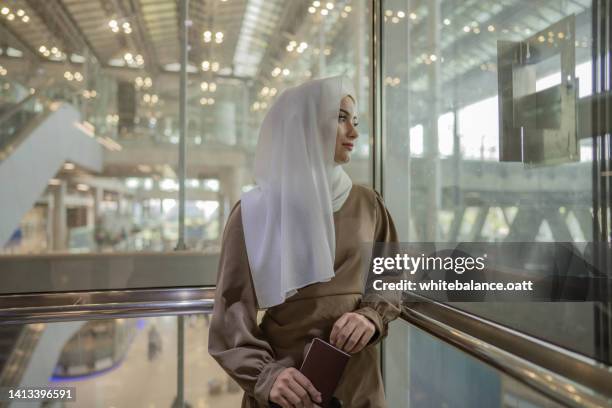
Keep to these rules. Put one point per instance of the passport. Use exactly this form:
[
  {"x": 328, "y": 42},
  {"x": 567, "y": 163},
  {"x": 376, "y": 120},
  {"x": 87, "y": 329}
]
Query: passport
[{"x": 324, "y": 365}]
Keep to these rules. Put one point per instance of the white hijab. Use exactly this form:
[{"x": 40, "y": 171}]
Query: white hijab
[{"x": 288, "y": 217}]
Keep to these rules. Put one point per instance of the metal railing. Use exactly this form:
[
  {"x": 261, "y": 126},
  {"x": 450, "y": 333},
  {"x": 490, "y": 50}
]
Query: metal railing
[
  {"x": 566, "y": 377},
  {"x": 53, "y": 307}
]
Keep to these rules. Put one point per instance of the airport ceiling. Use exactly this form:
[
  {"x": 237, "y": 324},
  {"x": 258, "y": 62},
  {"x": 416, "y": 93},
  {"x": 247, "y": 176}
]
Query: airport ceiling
[
  {"x": 248, "y": 38},
  {"x": 145, "y": 33}
]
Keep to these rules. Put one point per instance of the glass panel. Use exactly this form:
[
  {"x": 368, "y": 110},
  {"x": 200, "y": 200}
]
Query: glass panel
[
  {"x": 422, "y": 371},
  {"x": 230, "y": 93},
  {"x": 484, "y": 109},
  {"x": 99, "y": 357},
  {"x": 109, "y": 181}
]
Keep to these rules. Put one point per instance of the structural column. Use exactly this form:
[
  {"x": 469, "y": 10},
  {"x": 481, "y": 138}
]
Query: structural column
[
  {"x": 59, "y": 216},
  {"x": 430, "y": 144}
]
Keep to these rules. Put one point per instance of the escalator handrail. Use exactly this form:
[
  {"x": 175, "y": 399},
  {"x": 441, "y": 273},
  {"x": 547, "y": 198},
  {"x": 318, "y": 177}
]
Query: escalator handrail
[
  {"x": 17, "y": 107},
  {"x": 562, "y": 375}
]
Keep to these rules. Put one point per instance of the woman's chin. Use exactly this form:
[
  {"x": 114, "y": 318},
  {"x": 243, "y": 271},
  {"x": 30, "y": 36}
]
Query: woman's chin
[{"x": 344, "y": 159}]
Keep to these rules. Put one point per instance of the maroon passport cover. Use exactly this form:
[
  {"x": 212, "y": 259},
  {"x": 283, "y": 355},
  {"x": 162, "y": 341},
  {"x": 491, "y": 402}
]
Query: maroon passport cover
[{"x": 323, "y": 366}]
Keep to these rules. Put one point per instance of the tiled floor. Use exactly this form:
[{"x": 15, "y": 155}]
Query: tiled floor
[{"x": 138, "y": 382}]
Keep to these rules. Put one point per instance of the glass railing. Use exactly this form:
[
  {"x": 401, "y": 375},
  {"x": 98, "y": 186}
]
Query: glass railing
[
  {"x": 96, "y": 343},
  {"x": 14, "y": 118},
  {"x": 129, "y": 362},
  {"x": 442, "y": 356},
  {"x": 432, "y": 373}
]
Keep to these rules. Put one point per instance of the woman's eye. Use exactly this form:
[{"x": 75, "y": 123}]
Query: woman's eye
[{"x": 342, "y": 118}]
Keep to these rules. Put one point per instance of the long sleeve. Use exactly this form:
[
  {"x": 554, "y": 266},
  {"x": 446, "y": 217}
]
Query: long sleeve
[
  {"x": 382, "y": 309},
  {"x": 235, "y": 340}
]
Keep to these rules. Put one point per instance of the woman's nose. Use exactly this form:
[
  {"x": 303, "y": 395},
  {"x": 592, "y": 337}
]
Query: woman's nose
[{"x": 353, "y": 134}]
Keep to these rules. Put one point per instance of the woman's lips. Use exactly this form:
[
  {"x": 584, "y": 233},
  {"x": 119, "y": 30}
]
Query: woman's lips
[{"x": 349, "y": 146}]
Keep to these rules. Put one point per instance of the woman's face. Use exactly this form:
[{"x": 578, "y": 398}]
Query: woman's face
[{"x": 347, "y": 131}]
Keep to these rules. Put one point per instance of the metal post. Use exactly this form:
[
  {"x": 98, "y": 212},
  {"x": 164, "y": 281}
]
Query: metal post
[
  {"x": 184, "y": 4},
  {"x": 430, "y": 144},
  {"x": 180, "y": 349},
  {"x": 183, "y": 25},
  {"x": 376, "y": 141}
]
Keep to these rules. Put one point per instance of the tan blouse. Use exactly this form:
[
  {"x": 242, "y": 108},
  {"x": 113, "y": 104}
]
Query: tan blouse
[{"x": 253, "y": 355}]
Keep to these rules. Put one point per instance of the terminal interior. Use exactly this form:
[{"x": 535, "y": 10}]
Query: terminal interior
[{"x": 128, "y": 130}]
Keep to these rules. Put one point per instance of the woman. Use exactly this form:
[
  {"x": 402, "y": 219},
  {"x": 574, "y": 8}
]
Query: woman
[{"x": 292, "y": 246}]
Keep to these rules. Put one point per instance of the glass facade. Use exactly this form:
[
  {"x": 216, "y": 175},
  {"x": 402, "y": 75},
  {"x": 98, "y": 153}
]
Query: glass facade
[
  {"x": 465, "y": 162},
  {"x": 115, "y": 75}
]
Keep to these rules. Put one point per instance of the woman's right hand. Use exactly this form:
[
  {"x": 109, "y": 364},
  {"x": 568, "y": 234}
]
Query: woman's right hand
[{"x": 292, "y": 389}]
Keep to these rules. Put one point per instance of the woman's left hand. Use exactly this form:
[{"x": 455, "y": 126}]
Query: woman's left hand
[{"x": 352, "y": 332}]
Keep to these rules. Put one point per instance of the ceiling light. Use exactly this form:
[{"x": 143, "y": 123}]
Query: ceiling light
[
  {"x": 5, "y": 10},
  {"x": 10, "y": 17},
  {"x": 324, "y": 12},
  {"x": 25, "y": 19},
  {"x": 312, "y": 10},
  {"x": 401, "y": 14},
  {"x": 69, "y": 166},
  {"x": 20, "y": 13}
]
